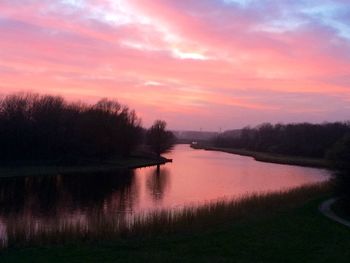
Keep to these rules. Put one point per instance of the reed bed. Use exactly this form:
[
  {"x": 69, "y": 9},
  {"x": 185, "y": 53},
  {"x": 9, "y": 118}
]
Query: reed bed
[{"x": 101, "y": 227}]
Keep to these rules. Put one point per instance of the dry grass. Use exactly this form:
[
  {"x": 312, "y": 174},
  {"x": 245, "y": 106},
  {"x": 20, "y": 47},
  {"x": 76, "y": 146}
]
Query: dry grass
[{"x": 101, "y": 227}]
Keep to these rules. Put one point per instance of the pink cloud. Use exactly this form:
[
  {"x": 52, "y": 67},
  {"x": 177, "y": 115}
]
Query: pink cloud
[{"x": 202, "y": 55}]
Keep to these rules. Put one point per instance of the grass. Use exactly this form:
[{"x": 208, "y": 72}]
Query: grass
[
  {"x": 278, "y": 227},
  {"x": 341, "y": 208},
  {"x": 52, "y": 169},
  {"x": 272, "y": 158}
]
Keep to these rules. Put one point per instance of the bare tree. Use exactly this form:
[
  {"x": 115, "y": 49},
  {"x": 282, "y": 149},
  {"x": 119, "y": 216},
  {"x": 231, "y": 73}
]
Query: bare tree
[{"x": 159, "y": 139}]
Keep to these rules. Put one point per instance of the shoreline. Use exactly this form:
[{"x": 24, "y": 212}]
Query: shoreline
[
  {"x": 270, "y": 158},
  {"x": 41, "y": 170}
]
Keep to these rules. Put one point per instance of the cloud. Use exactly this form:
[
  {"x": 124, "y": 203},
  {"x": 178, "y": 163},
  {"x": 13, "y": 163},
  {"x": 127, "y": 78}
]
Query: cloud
[{"x": 236, "y": 58}]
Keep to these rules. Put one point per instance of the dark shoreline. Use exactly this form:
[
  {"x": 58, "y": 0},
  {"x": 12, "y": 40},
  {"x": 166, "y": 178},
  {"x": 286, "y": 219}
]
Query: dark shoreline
[
  {"x": 53, "y": 169},
  {"x": 271, "y": 158}
]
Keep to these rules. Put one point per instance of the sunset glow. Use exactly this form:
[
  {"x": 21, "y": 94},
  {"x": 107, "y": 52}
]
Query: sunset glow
[{"x": 198, "y": 64}]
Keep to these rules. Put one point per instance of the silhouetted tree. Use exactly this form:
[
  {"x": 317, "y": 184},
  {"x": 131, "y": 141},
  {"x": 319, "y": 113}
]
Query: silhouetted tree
[
  {"x": 43, "y": 127},
  {"x": 159, "y": 139},
  {"x": 303, "y": 139}
]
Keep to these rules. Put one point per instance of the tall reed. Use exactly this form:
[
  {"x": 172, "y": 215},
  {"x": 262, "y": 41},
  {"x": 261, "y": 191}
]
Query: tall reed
[{"x": 107, "y": 227}]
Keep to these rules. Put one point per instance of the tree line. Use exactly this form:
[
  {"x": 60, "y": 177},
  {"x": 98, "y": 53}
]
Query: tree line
[
  {"x": 45, "y": 127},
  {"x": 328, "y": 140},
  {"x": 302, "y": 139}
]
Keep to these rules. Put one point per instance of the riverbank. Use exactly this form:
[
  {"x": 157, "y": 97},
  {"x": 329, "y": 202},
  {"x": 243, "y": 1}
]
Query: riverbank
[
  {"x": 93, "y": 167},
  {"x": 289, "y": 230},
  {"x": 271, "y": 158}
]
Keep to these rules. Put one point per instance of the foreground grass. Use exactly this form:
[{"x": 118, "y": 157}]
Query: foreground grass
[
  {"x": 92, "y": 167},
  {"x": 271, "y": 158},
  {"x": 341, "y": 209},
  {"x": 290, "y": 229}
]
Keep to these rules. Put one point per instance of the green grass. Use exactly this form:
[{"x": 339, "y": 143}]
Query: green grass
[
  {"x": 52, "y": 169},
  {"x": 272, "y": 158},
  {"x": 290, "y": 229}
]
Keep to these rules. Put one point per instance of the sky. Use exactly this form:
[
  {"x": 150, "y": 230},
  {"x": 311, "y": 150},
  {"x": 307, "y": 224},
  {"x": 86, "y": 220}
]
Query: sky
[{"x": 198, "y": 64}]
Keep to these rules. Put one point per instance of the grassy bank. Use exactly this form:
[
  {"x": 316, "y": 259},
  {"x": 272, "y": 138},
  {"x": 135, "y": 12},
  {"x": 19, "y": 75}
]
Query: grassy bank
[
  {"x": 341, "y": 209},
  {"x": 102, "y": 227},
  {"x": 92, "y": 167},
  {"x": 279, "y": 227},
  {"x": 271, "y": 158}
]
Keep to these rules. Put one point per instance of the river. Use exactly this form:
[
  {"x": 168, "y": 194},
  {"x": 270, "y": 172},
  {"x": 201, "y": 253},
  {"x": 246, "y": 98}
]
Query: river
[{"x": 194, "y": 177}]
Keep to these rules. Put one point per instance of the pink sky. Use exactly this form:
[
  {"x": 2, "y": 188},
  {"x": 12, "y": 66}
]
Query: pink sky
[{"x": 206, "y": 64}]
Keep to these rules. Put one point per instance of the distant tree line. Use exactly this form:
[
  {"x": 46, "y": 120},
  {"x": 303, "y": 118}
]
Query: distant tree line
[
  {"x": 328, "y": 140},
  {"x": 44, "y": 127},
  {"x": 304, "y": 139}
]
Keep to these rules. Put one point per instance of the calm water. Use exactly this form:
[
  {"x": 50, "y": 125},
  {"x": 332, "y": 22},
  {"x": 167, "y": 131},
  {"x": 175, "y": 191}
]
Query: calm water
[{"x": 194, "y": 177}]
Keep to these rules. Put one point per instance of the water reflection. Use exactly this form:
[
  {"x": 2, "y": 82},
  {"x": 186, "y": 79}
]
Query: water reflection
[
  {"x": 157, "y": 183},
  {"x": 53, "y": 195},
  {"x": 50, "y": 202}
]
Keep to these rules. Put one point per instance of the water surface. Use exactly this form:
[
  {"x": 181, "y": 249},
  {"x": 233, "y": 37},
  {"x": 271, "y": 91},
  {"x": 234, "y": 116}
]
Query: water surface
[
  {"x": 194, "y": 177},
  {"x": 198, "y": 175}
]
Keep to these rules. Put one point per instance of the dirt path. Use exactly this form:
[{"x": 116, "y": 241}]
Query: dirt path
[{"x": 325, "y": 209}]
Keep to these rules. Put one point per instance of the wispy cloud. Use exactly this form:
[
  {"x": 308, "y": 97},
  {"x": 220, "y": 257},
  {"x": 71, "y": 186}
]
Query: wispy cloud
[{"x": 247, "y": 61}]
